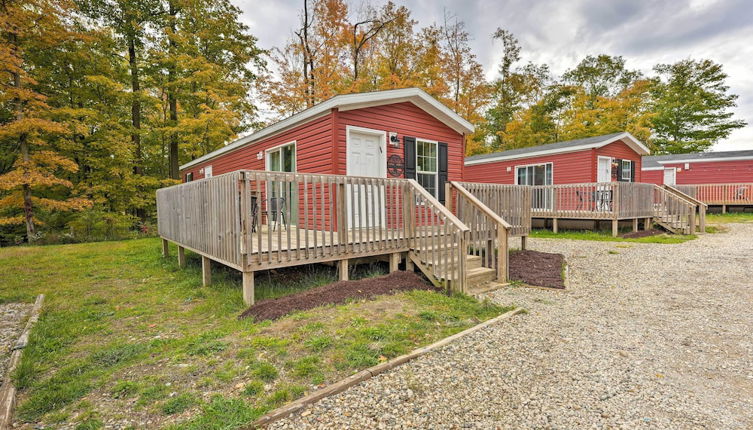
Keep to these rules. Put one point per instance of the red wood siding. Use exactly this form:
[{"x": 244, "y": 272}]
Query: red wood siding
[
  {"x": 708, "y": 172},
  {"x": 653, "y": 176},
  {"x": 313, "y": 151},
  {"x": 406, "y": 119},
  {"x": 622, "y": 151},
  {"x": 568, "y": 168}
]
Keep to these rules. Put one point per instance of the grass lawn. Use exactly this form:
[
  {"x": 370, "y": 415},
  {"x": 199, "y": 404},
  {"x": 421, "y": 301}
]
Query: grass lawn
[
  {"x": 607, "y": 236},
  {"x": 128, "y": 338},
  {"x": 730, "y": 217}
]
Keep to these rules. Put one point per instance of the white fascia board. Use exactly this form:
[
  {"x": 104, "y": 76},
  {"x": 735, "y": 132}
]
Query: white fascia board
[
  {"x": 705, "y": 160},
  {"x": 631, "y": 141},
  {"x": 652, "y": 168},
  {"x": 419, "y": 97}
]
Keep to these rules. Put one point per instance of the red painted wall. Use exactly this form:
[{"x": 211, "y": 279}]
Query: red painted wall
[
  {"x": 568, "y": 168},
  {"x": 705, "y": 172}
]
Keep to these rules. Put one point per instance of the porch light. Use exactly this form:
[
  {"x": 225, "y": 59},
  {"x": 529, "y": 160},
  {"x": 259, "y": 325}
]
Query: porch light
[{"x": 394, "y": 141}]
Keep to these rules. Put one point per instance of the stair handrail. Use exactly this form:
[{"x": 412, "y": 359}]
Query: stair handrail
[
  {"x": 502, "y": 228},
  {"x": 454, "y": 273},
  {"x": 689, "y": 205},
  {"x": 701, "y": 206}
]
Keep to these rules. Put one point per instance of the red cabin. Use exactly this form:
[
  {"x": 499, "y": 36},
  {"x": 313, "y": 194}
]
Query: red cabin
[
  {"x": 609, "y": 158},
  {"x": 699, "y": 168},
  {"x": 395, "y": 133}
]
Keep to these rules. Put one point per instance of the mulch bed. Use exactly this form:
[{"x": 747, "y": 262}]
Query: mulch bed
[
  {"x": 644, "y": 233},
  {"x": 540, "y": 269},
  {"x": 336, "y": 293}
]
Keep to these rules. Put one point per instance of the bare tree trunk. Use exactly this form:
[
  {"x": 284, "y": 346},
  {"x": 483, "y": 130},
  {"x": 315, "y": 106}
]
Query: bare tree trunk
[
  {"x": 174, "y": 164},
  {"x": 308, "y": 58},
  {"x": 135, "y": 106}
]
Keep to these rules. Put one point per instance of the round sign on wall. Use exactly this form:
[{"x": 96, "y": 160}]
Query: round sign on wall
[{"x": 395, "y": 166}]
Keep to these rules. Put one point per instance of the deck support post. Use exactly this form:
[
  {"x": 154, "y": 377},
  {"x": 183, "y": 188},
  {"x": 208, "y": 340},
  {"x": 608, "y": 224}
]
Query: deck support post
[
  {"x": 647, "y": 224},
  {"x": 409, "y": 265},
  {"x": 395, "y": 258},
  {"x": 248, "y": 288},
  {"x": 206, "y": 271},
  {"x": 724, "y": 209},
  {"x": 555, "y": 226},
  {"x": 635, "y": 225},
  {"x": 615, "y": 227},
  {"x": 523, "y": 240},
  {"x": 181, "y": 257},
  {"x": 342, "y": 269},
  {"x": 165, "y": 249},
  {"x": 702, "y": 219}
]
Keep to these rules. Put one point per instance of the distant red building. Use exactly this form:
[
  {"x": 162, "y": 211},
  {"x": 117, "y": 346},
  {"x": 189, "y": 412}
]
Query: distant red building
[
  {"x": 608, "y": 158},
  {"x": 396, "y": 133},
  {"x": 699, "y": 168}
]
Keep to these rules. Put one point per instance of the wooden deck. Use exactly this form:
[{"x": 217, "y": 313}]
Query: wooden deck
[
  {"x": 723, "y": 195},
  {"x": 253, "y": 220}
]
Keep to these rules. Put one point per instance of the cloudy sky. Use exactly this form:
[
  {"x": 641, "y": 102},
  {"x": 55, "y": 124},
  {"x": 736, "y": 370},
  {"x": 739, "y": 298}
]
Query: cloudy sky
[{"x": 560, "y": 33}]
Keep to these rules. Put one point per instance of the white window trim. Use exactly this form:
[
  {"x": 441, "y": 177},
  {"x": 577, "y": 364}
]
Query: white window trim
[
  {"x": 268, "y": 151},
  {"x": 629, "y": 170},
  {"x": 382, "y": 145},
  {"x": 534, "y": 164},
  {"x": 436, "y": 156}
]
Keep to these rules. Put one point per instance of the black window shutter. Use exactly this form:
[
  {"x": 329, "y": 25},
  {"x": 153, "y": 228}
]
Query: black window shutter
[
  {"x": 619, "y": 169},
  {"x": 409, "y": 158},
  {"x": 442, "y": 160},
  {"x": 632, "y": 171}
]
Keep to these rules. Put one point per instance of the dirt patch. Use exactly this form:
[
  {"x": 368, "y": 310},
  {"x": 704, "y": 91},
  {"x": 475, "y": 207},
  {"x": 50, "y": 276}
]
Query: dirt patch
[
  {"x": 335, "y": 293},
  {"x": 541, "y": 269},
  {"x": 643, "y": 233}
]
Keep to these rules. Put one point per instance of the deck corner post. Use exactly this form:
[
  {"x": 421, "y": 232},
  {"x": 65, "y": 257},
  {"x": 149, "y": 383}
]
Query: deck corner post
[
  {"x": 409, "y": 265},
  {"x": 395, "y": 258},
  {"x": 342, "y": 269},
  {"x": 555, "y": 225},
  {"x": 206, "y": 271},
  {"x": 635, "y": 224},
  {"x": 615, "y": 227},
  {"x": 702, "y": 219},
  {"x": 523, "y": 244},
  {"x": 647, "y": 224},
  {"x": 181, "y": 257},
  {"x": 724, "y": 209},
  {"x": 165, "y": 248},
  {"x": 248, "y": 288},
  {"x": 502, "y": 254}
]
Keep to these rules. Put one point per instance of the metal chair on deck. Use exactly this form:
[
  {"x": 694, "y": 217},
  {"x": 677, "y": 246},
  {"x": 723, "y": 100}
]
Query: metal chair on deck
[{"x": 277, "y": 206}]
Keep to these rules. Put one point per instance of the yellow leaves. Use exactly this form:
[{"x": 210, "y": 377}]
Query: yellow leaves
[
  {"x": 72, "y": 204},
  {"x": 30, "y": 125},
  {"x": 16, "y": 220},
  {"x": 52, "y": 160},
  {"x": 34, "y": 178}
]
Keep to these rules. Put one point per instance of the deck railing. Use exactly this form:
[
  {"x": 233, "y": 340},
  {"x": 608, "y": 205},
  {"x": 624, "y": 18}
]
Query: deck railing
[
  {"x": 489, "y": 232},
  {"x": 255, "y": 220},
  {"x": 720, "y": 194},
  {"x": 511, "y": 202}
]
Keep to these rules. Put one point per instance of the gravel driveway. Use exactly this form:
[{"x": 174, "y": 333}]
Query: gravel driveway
[{"x": 647, "y": 336}]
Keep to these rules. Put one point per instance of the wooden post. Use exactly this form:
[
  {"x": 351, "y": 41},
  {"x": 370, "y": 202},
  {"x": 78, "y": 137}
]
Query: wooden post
[
  {"x": 248, "y": 288},
  {"x": 635, "y": 224},
  {"x": 448, "y": 196},
  {"x": 409, "y": 265},
  {"x": 615, "y": 227},
  {"x": 342, "y": 269},
  {"x": 691, "y": 221},
  {"x": 342, "y": 216},
  {"x": 702, "y": 218},
  {"x": 394, "y": 261},
  {"x": 724, "y": 209},
  {"x": 165, "y": 249},
  {"x": 555, "y": 226},
  {"x": 647, "y": 224},
  {"x": 206, "y": 271},
  {"x": 181, "y": 257},
  {"x": 409, "y": 218},
  {"x": 523, "y": 240},
  {"x": 502, "y": 254}
]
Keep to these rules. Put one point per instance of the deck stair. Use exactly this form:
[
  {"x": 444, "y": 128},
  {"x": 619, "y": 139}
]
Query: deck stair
[{"x": 477, "y": 276}]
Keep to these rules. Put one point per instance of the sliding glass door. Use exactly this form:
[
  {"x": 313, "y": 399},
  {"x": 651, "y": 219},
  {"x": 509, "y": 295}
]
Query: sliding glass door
[
  {"x": 537, "y": 174},
  {"x": 283, "y": 196}
]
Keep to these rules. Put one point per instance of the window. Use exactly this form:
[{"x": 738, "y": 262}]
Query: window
[
  {"x": 189, "y": 176},
  {"x": 208, "y": 172},
  {"x": 535, "y": 174},
  {"x": 627, "y": 170},
  {"x": 281, "y": 158},
  {"x": 426, "y": 165}
]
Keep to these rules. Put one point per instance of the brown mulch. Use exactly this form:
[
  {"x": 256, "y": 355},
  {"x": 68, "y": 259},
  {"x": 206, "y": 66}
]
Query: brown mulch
[
  {"x": 336, "y": 293},
  {"x": 644, "y": 233},
  {"x": 540, "y": 269}
]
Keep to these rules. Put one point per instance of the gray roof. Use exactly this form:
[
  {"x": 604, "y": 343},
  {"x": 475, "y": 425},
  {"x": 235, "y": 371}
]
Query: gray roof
[
  {"x": 654, "y": 160},
  {"x": 547, "y": 147}
]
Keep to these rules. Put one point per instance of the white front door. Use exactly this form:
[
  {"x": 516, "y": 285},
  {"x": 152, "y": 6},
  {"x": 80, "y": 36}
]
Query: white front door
[
  {"x": 366, "y": 156},
  {"x": 670, "y": 176},
  {"x": 604, "y": 171}
]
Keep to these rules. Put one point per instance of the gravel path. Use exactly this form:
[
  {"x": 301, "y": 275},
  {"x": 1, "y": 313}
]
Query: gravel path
[
  {"x": 647, "y": 336},
  {"x": 12, "y": 320}
]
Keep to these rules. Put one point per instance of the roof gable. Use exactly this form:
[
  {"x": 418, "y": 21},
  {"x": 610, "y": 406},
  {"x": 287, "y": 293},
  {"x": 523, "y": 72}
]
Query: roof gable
[
  {"x": 560, "y": 148},
  {"x": 349, "y": 102}
]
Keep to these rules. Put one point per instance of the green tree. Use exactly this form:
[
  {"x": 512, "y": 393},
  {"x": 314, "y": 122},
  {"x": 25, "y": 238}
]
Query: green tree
[
  {"x": 601, "y": 76},
  {"x": 692, "y": 107}
]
